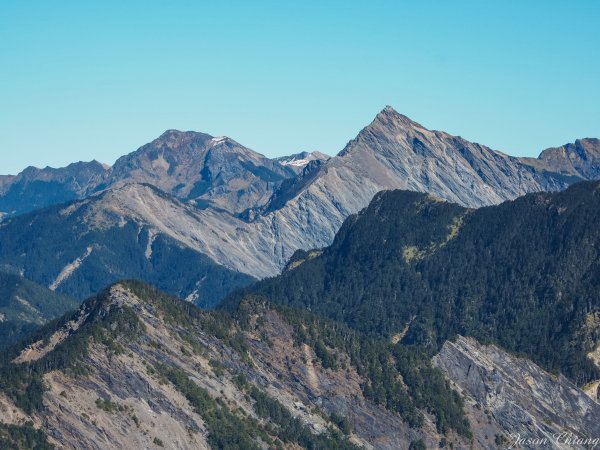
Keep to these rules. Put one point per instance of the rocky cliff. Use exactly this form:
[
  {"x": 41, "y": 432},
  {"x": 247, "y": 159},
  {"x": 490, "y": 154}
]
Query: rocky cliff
[{"x": 534, "y": 409}]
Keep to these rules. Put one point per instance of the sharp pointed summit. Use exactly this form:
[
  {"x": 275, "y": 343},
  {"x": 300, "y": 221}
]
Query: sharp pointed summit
[
  {"x": 389, "y": 115},
  {"x": 389, "y": 118}
]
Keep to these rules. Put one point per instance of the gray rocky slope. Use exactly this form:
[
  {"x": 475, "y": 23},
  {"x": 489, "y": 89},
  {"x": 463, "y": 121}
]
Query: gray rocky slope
[
  {"x": 394, "y": 152},
  {"x": 149, "y": 372}
]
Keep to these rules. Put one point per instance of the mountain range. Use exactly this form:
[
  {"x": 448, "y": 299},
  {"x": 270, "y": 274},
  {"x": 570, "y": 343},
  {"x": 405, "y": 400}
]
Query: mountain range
[
  {"x": 424, "y": 325},
  {"x": 414, "y": 291},
  {"x": 413, "y": 268},
  {"x": 248, "y": 213},
  {"x": 392, "y": 152}
]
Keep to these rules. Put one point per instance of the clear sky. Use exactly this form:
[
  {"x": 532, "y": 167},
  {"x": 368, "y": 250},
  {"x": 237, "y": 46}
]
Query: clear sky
[{"x": 82, "y": 80}]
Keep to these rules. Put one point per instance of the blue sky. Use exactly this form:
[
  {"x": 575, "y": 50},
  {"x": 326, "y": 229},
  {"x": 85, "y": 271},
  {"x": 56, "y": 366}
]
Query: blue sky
[{"x": 84, "y": 80}]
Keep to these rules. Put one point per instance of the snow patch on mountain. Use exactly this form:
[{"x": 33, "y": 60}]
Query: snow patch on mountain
[
  {"x": 295, "y": 162},
  {"x": 218, "y": 140}
]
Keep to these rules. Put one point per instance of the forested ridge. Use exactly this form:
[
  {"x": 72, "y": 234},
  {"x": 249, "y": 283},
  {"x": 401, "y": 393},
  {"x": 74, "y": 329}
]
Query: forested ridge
[
  {"x": 25, "y": 305},
  {"x": 43, "y": 244},
  {"x": 524, "y": 274},
  {"x": 403, "y": 276}
]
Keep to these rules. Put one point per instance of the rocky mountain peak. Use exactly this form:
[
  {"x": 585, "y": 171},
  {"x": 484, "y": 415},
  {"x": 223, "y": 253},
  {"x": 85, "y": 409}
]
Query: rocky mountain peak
[
  {"x": 583, "y": 148},
  {"x": 175, "y": 139},
  {"x": 388, "y": 117},
  {"x": 212, "y": 171},
  {"x": 580, "y": 159},
  {"x": 196, "y": 142},
  {"x": 389, "y": 128}
]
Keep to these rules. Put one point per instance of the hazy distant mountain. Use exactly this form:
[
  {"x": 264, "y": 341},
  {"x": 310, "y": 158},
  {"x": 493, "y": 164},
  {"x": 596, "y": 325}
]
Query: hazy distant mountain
[{"x": 37, "y": 188}]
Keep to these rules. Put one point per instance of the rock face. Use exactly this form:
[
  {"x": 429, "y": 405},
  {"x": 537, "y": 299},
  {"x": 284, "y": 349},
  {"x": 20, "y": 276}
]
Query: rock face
[
  {"x": 394, "y": 152},
  {"x": 533, "y": 408},
  {"x": 136, "y": 369},
  {"x": 581, "y": 159},
  {"x": 37, "y": 188}
]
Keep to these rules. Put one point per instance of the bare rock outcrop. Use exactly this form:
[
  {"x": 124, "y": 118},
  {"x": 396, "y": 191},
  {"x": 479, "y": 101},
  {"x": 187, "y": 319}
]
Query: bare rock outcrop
[{"x": 533, "y": 408}]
